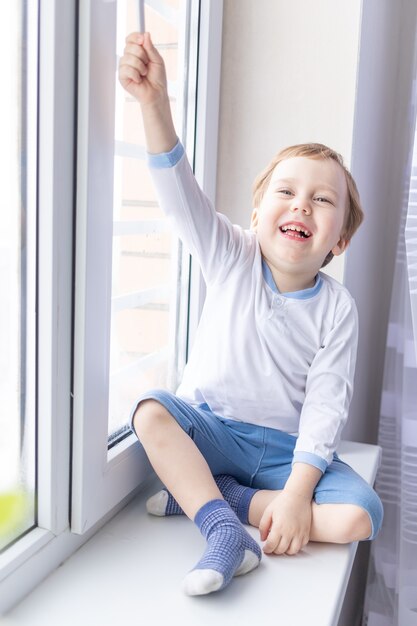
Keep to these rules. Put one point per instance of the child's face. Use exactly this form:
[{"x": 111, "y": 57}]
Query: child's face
[{"x": 310, "y": 194}]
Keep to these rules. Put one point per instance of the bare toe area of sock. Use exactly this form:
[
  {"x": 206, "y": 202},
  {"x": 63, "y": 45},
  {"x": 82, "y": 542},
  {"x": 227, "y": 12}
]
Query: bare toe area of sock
[
  {"x": 202, "y": 581},
  {"x": 250, "y": 562},
  {"x": 157, "y": 504}
]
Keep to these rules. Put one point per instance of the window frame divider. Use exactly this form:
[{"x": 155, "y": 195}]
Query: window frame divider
[
  {"x": 206, "y": 134},
  {"x": 56, "y": 145}
]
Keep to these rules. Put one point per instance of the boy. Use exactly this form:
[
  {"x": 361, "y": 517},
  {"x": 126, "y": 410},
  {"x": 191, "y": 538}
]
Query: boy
[{"x": 266, "y": 391}]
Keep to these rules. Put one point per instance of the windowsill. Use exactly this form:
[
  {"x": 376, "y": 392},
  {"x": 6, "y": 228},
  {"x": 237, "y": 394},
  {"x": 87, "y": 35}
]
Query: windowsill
[{"x": 130, "y": 573}]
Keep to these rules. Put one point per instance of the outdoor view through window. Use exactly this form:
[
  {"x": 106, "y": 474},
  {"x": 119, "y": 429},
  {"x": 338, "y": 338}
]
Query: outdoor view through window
[
  {"x": 17, "y": 273},
  {"x": 149, "y": 279}
]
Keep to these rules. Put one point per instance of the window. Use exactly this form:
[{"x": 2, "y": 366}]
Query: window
[
  {"x": 149, "y": 269},
  {"x": 132, "y": 275},
  {"x": 17, "y": 272},
  {"x": 75, "y": 197}
]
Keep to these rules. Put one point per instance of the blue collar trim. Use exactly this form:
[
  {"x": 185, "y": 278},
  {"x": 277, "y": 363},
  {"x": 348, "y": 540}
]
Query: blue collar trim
[{"x": 302, "y": 294}]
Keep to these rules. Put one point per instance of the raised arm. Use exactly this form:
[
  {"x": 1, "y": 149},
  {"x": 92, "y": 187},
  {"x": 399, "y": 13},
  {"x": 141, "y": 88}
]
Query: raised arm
[
  {"x": 142, "y": 73},
  {"x": 208, "y": 235}
]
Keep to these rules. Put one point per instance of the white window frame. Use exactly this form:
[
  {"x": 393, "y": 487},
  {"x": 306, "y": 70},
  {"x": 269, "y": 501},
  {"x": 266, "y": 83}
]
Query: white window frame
[
  {"x": 206, "y": 132},
  {"x": 98, "y": 484},
  {"x": 101, "y": 477},
  {"x": 30, "y": 559},
  {"x": 54, "y": 296}
]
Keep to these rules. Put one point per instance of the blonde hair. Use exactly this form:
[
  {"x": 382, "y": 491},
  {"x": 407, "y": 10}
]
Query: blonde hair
[{"x": 354, "y": 211}]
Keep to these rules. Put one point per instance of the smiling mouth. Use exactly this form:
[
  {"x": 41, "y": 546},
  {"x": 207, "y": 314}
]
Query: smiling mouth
[{"x": 295, "y": 232}]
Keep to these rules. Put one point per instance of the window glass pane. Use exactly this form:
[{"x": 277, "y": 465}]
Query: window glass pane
[
  {"x": 148, "y": 270},
  {"x": 17, "y": 268}
]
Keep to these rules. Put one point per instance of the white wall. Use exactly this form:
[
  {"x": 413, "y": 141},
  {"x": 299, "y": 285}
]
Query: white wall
[{"x": 288, "y": 76}]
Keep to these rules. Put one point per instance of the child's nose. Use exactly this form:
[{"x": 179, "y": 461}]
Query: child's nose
[{"x": 302, "y": 206}]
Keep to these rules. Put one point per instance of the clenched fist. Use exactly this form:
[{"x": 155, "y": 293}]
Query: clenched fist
[{"x": 142, "y": 70}]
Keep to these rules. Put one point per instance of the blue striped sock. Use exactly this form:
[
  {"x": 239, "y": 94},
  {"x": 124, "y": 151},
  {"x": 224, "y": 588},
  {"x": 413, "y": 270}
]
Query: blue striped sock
[
  {"x": 238, "y": 496},
  {"x": 230, "y": 550}
]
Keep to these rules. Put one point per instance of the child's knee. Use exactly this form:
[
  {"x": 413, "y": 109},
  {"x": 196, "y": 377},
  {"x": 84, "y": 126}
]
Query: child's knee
[
  {"x": 148, "y": 416},
  {"x": 367, "y": 518},
  {"x": 370, "y": 504},
  {"x": 360, "y": 524},
  {"x": 376, "y": 512}
]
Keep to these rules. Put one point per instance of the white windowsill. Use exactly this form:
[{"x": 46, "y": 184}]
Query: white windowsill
[{"x": 130, "y": 573}]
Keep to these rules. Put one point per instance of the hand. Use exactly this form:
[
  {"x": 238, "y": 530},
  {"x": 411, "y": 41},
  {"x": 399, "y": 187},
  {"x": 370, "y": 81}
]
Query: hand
[
  {"x": 142, "y": 70},
  {"x": 286, "y": 524}
]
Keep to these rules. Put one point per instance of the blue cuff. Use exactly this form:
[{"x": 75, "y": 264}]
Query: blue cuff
[
  {"x": 310, "y": 459},
  {"x": 166, "y": 159}
]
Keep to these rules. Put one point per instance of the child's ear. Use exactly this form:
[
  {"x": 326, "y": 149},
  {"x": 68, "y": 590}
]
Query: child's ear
[
  {"x": 254, "y": 220},
  {"x": 341, "y": 246}
]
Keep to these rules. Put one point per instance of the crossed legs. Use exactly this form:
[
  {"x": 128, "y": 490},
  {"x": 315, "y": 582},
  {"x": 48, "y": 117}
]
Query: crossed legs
[{"x": 187, "y": 476}]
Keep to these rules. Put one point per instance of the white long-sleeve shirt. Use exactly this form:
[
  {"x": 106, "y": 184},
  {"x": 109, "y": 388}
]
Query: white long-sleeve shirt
[{"x": 284, "y": 361}]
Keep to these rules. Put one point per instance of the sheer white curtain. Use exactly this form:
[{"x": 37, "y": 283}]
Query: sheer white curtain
[{"x": 391, "y": 595}]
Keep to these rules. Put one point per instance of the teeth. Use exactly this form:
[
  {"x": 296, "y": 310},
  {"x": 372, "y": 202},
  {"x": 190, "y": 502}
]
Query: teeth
[{"x": 296, "y": 228}]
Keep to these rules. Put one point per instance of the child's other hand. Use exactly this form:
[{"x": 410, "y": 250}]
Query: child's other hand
[
  {"x": 286, "y": 524},
  {"x": 142, "y": 69}
]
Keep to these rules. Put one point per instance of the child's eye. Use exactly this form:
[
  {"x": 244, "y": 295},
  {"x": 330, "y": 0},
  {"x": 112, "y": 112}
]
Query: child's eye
[
  {"x": 284, "y": 191},
  {"x": 323, "y": 199}
]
